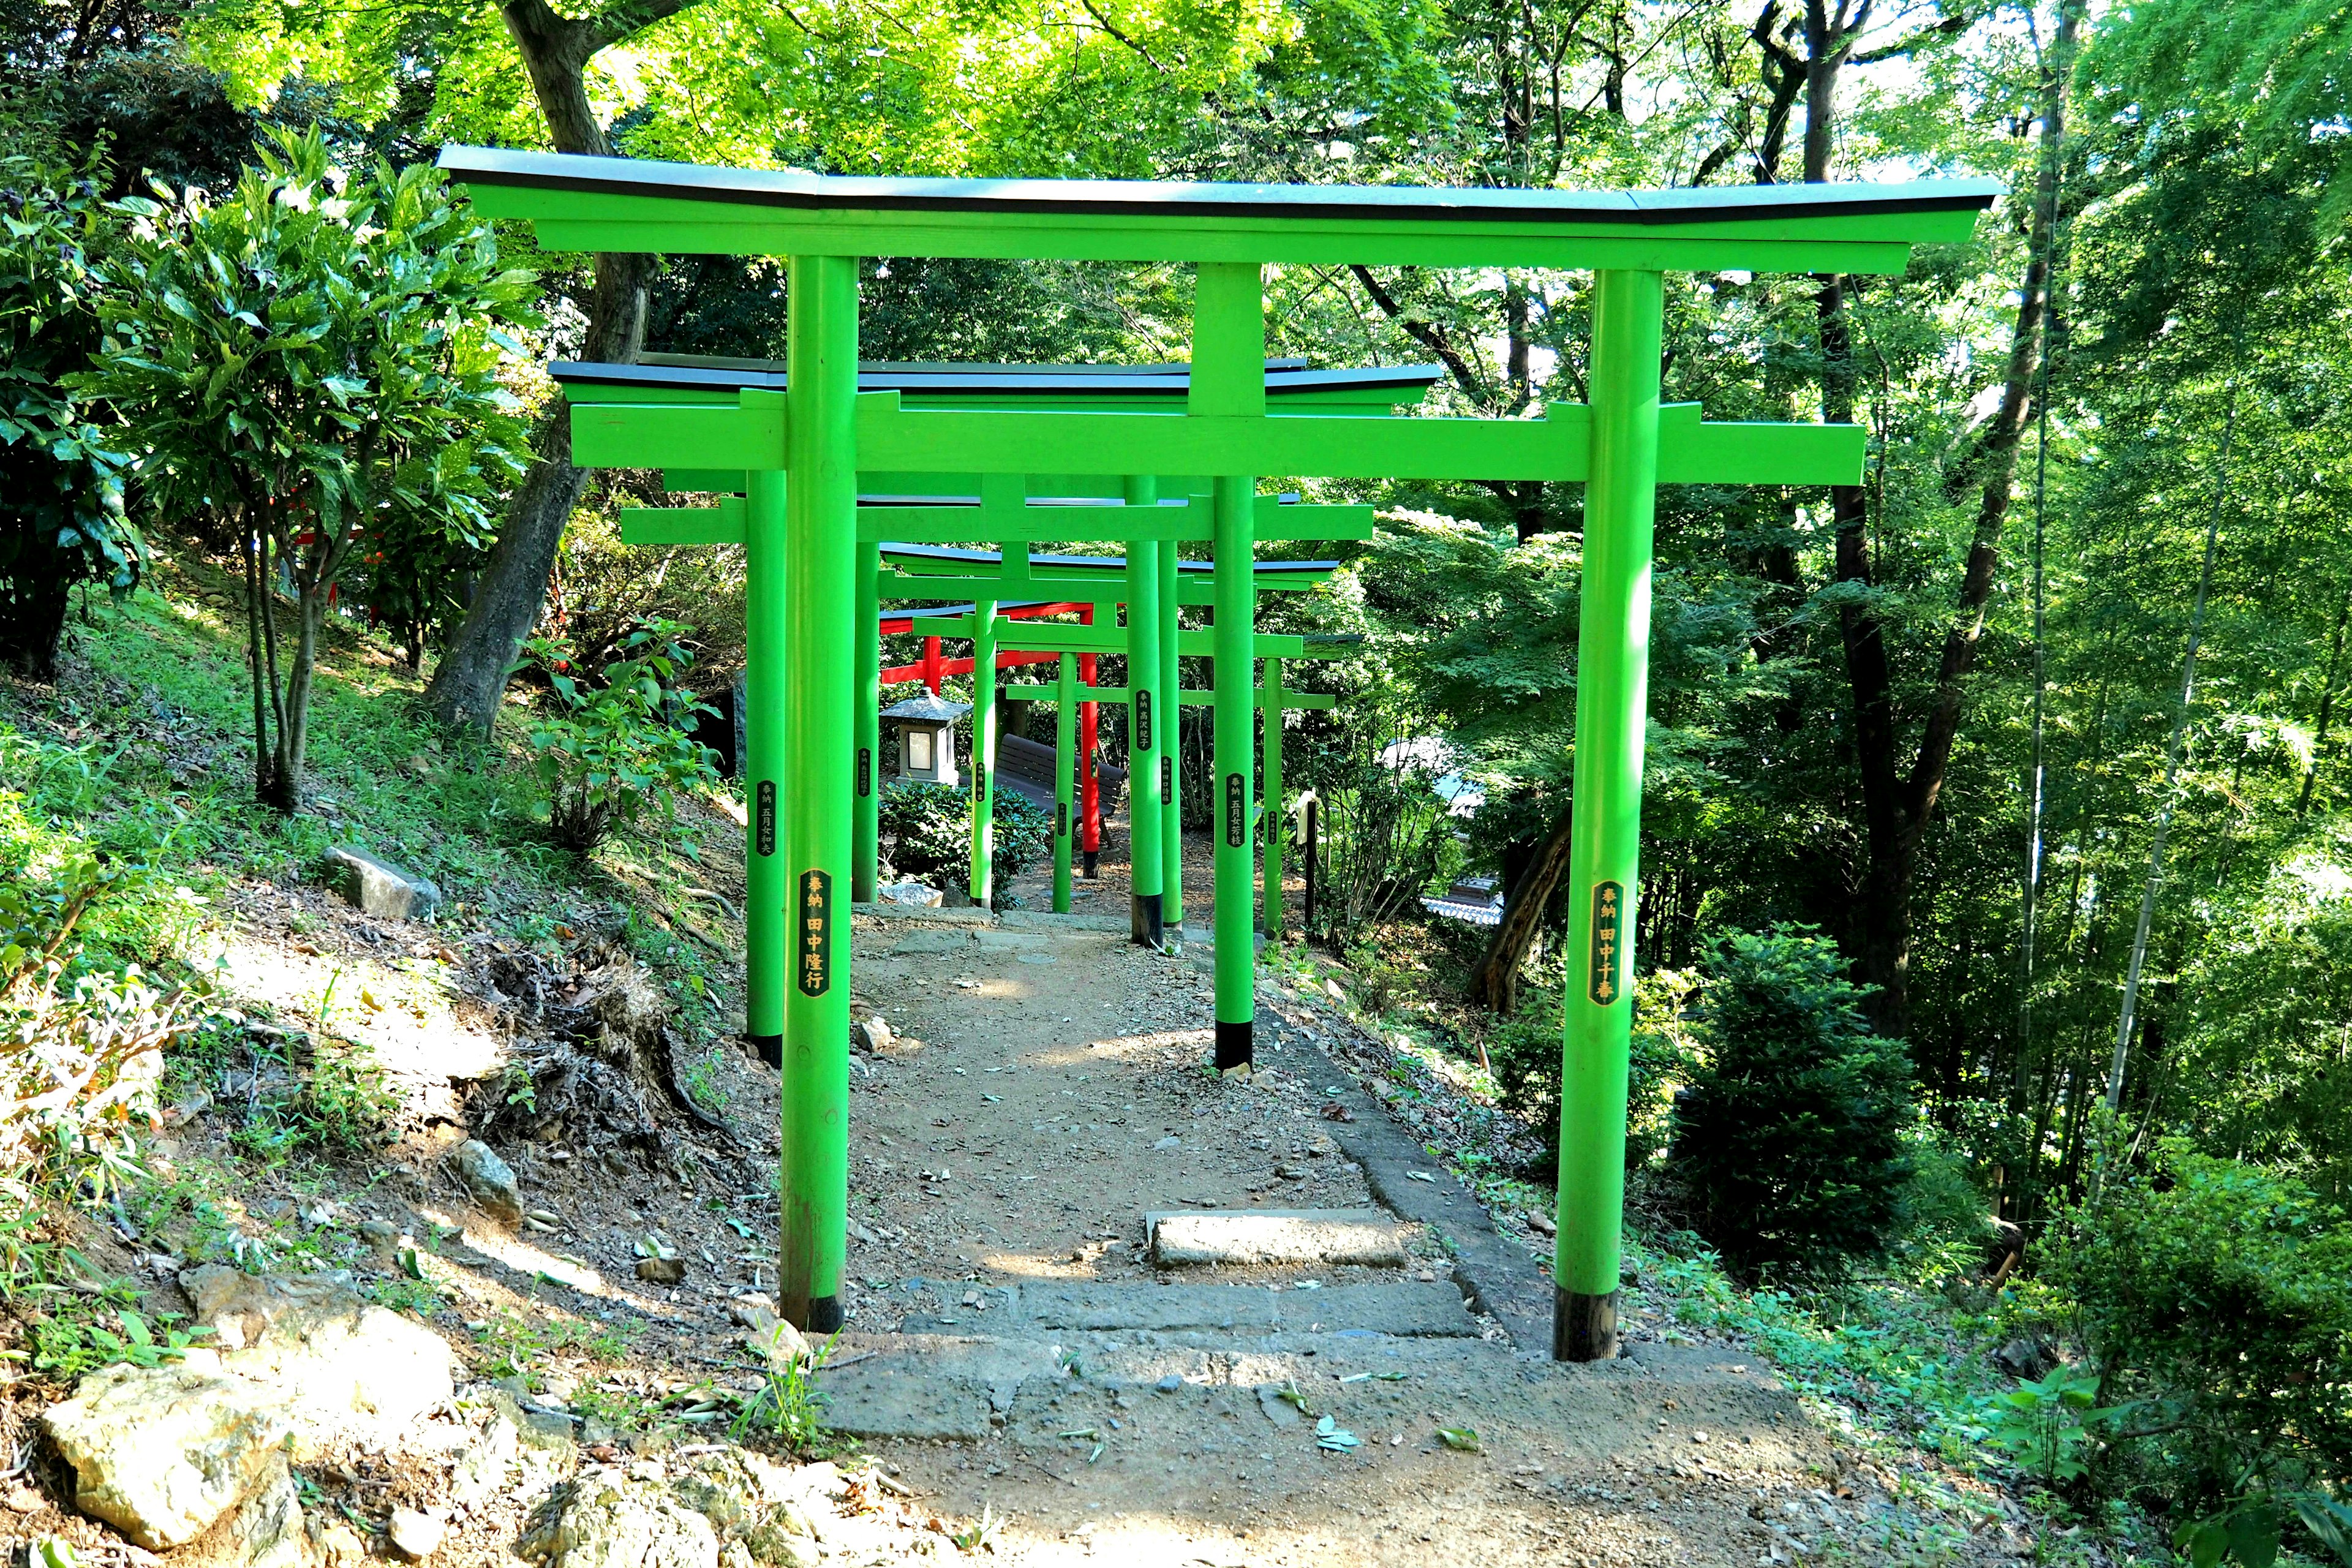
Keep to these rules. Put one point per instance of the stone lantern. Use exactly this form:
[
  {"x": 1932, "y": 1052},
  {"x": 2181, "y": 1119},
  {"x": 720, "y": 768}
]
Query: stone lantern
[{"x": 918, "y": 739}]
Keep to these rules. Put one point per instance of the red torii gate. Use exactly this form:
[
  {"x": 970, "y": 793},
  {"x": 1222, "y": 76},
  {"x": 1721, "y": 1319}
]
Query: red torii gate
[{"x": 931, "y": 669}]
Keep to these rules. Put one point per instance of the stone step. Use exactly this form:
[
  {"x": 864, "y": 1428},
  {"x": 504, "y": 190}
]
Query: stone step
[
  {"x": 1409, "y": 1309},
  {"x": 1369, "y": 1237},
  {"x": 944, "y": 1387}
]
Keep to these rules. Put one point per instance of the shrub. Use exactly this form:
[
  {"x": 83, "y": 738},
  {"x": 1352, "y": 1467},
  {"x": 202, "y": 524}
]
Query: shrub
[
  {"x": 80, "y": 1059},
  {"x": 61, "y": 521},
  {"x": 929, "y": 829},
  {"x": 1788, "y": 1143},
  {"x": 607, "y": 750},
  {"x": 2211, "y": 1294},
  {"x": 312, "y": 351},
  {"x": 1525, "y": 1053}
]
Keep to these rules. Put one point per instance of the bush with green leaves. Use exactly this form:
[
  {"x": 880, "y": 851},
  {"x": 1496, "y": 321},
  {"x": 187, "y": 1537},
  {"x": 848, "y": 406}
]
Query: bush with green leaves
[
  {"x": 929, "y": 826},
  {"x": 311, "y": 354},
  {"x": 61, "y": 518},
  {"x": 608, "y": 748},
  {"x": 2213, "y": 1296},
  {"x": 1788, "y": 1144},
  {"x": 1525, "y": 1053}
]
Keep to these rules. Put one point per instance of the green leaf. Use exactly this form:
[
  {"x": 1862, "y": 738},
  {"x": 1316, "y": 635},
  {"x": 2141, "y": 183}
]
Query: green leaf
[
  {"x": 2253, "y": 1535},
  {"x": 1460, "y": 1439}
]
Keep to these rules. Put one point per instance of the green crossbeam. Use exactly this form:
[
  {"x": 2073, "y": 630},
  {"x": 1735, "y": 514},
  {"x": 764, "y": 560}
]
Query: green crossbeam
[
  {"x": 1555, "y": 448},
  {"x": 1289, "y": 698},
  {"x": 723, "y": 523},
  {"x": 1101, "y": 587},
  {"x": 1299, "y": 520},
  {"x": 1032, "y": 691},
  {"x": 1041, "y": 636}
]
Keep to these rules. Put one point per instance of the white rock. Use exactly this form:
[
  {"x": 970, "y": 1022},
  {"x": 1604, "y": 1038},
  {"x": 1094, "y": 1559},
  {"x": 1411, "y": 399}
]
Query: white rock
[
  {"x": 483, "y": 1468},
  {"x": 608, "y": 1521},
  {"x": 162, "y": 1453},
  {"x": 268, "y": 1530},
  {"x": 378, "y": 887},
  {"x": 414, "y": 1535},
  {"x": 779, "y": 1344},
  {"x": 338, "y": 1545},
  {"x": 367, "y": 1376}
]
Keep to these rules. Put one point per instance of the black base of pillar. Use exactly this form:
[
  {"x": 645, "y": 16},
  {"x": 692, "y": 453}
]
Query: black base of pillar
[
  {"x": 769, "y": 1048},
  {"x": 1089, "y": 862},
  {"x": 1583, "y": 1328},
  {"x": 823, "y": 1315},
  {"x": 1145, "y": 927},
  {"x": 1237, "y": 1044}
]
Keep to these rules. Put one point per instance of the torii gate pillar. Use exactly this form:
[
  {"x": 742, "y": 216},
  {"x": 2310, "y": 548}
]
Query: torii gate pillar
[{"x": 1612, "y": 661}]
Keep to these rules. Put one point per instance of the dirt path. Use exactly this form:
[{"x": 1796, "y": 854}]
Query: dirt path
[
  {"x": 1012, "y": 1353},
  {"x": 1049, "y": 1088}
]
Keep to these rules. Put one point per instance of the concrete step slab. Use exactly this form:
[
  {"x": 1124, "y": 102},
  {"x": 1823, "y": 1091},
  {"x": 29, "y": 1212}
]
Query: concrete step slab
[
  {"x": 1370, "y": 1238},
  {"x": 1409, "y": 1309}
]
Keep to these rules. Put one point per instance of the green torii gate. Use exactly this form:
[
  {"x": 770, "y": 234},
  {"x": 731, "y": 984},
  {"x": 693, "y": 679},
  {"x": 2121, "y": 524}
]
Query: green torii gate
[
  {"x": 1621, "y": 445},
  {"x": 1152, "y": 819},
  {"x": 1273, "y": 700},
  {"x": 1001, "y": 507}
]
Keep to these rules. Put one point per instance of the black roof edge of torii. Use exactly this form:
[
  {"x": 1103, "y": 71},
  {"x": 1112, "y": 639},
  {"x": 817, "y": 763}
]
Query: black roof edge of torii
[
  {"x": 696, "y": 373},
  {"x": 1161, "y": 198}
]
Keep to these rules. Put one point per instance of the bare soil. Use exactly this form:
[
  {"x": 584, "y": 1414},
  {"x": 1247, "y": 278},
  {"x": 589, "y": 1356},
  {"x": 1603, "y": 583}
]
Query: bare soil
[{"x": 1044, "y": 1088}]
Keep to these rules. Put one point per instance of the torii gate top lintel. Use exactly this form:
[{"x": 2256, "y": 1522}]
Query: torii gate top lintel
[{"x": 615, "y": 204}]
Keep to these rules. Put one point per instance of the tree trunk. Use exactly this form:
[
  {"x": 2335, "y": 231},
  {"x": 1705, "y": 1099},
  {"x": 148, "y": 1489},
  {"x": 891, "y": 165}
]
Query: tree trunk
[
  {"x": 1898, "y": 807},
  {"x": 471, "y": 677},
  {"x": 2326, "y": 709},
  {"x": 1495, "y": 983},
  {"x": 36, "y": 622}
]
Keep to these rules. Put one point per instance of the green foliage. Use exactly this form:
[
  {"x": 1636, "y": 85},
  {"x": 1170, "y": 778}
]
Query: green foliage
[
  {"x": 606, "y": 751},
  {"x": 68, "y": 1343},
  {"x": 2047, "y": 1426},
  {"x": 1524, "y": 1051},
  {"x": 61, "y": 518},
  {"x": 81, "y": 1048},
  {"x": 516, "y": 1345},
  {"x": 786, "y": 1409},
  {"x": 1788, "y": 1143},
  {"x": 2213, "y": 1294},
  {"x": 1880, "y": 1360},
  {"x": 312, "y": 353},
  {"x": 929, "y": 826}
]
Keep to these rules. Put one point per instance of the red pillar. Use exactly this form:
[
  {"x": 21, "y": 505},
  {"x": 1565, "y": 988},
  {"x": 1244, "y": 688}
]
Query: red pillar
[
  {"x": 931, "y": 665},
  {"x": 1089, "y": 790}
]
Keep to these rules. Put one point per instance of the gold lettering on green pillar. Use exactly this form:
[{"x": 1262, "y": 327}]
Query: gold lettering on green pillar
[
  {"x": 816, "y": 932},
  {"x": 1608, "y": 949}
]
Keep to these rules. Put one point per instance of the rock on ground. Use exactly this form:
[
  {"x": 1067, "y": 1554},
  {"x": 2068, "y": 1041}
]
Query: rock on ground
[
  {"x": 725, "y": 1506},
  {"x": 269, "y": 1532},
  {"x": 339, "y": 1369},
  {"x": 378, "y": 887},
  {"x": 162, "y": 1453},
  {"x": 488, "y": 1180},
  {"x": 414, "y": 1533}
]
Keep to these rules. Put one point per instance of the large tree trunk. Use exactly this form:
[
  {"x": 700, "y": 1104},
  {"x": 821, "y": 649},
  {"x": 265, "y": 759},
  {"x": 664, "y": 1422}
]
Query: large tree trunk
[
  {"x": 471, "y": 677},
  {"x": 1495, "y": 983},
  {"x": 1897, "y": 807}
]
